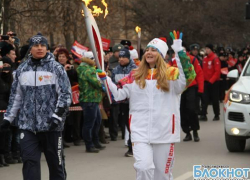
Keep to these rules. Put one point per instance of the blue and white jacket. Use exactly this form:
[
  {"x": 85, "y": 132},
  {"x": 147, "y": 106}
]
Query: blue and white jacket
[
  {"x": 120, "y": 72},
  {"x": 39, "y": 91}
]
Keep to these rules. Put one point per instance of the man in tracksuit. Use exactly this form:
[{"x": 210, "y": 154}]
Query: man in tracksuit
[
  {"x": 211, "y": 70},
  {"x": 41, "y": 92}
]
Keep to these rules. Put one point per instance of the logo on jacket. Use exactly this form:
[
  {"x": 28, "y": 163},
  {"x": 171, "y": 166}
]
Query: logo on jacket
[
  {"x": 47, "y": 77},
  {"x": 40, "y": 78}
]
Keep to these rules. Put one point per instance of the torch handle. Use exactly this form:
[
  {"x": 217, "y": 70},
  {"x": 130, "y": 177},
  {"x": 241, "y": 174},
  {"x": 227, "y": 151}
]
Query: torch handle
[{"x": 108, "y": 91}]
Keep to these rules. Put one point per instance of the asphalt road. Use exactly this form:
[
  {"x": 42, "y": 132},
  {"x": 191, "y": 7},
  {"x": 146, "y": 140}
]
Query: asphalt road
[{"x": 110, "y": 164}]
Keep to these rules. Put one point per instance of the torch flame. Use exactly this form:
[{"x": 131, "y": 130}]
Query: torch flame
[
  {"x": 87, "y": 2},
  {"x": 106, "y": 8},
  {"x": 137, "y": 29},
  {"x": 96, "y": 10}
]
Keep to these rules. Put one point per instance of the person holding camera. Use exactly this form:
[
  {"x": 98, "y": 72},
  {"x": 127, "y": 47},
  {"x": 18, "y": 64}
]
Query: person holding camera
[
  {"x": 41, "y": 94},
  {"x": 72, "y": 125},
  {"x": 12, "y": 148}
]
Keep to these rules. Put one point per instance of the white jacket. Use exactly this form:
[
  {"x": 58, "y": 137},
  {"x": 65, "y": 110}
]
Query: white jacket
[{"x": 154, "y": 114}]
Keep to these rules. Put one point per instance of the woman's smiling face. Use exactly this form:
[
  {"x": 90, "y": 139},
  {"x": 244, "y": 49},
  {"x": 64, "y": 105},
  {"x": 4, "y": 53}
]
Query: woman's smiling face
[{"x": 151, "y": 55}]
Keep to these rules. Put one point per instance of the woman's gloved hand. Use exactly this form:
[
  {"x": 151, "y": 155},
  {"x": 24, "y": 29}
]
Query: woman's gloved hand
[
  {"x": 177, "y": 41},
  {"x": 102, "y": 74}
]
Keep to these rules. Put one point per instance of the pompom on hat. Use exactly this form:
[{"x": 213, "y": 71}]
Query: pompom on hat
[
  {"x": 159, "y": 45},
  {"x": 134, "y": 54}
]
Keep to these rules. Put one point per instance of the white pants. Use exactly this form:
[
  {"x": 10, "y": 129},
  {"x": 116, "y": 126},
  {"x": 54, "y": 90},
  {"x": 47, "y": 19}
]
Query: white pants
[{"x": 153, "y": 161}]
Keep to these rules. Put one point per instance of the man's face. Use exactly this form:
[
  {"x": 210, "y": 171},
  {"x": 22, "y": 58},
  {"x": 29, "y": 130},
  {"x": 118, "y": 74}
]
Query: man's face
[
  {"x": 12, "y": 55},
  {"x": 208, "y": 50},
  {"x": 116, "y": 54},
  {"x": 38, "y": 51},
  {"x": 123, "y": 61},
  {"x": 195, "y": 52}
]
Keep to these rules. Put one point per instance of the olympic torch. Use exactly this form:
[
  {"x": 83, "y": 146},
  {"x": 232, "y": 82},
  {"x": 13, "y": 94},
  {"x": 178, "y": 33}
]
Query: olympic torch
[
  {"x": 95, "y": 43},
  {"x": 138, "y": 30}
]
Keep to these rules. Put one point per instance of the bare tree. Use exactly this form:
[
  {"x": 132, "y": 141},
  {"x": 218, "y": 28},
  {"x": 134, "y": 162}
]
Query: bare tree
[{"x": 214, "y": 21}]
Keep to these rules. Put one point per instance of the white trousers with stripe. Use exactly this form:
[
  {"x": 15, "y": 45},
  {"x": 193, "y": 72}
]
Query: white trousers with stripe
[{"x": 153, "y": 161}]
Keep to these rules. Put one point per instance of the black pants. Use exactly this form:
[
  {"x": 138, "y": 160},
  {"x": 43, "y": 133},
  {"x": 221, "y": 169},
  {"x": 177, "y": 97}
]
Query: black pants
[
  {"x": 113, "y": 121},
  {"x": 3, "y": 142},
  {"x": 72, "y": 126},
  {"x": 31, "y": 147},
  {"x": 4, "y": 137},
  {"x": 211, "y": 93},
  {"x": 125, "y": 120},
  {"x": 189, "y": 116},
  {"x": 14, "y": 139}
]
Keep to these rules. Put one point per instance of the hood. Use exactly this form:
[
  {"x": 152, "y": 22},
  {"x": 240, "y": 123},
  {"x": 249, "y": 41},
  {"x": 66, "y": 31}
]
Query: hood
[
  {"x": 242, "y": 85},
  {"x": 88, "y": 61}
]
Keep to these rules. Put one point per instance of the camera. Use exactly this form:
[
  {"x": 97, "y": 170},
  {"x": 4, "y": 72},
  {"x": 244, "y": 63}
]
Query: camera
[
  {"x": 4, "y": 68},
  {"x": 13, "y": 34},
  {"x": 4, "y": 37},
  {"x": 70, "y": 67}
]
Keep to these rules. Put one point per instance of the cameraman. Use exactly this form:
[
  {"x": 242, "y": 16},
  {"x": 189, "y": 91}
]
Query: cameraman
[{"x": 72, "y": 124}]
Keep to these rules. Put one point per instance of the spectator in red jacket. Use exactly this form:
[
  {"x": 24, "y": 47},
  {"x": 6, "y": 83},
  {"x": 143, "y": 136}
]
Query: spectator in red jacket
[{"x": 211, "y": 71}]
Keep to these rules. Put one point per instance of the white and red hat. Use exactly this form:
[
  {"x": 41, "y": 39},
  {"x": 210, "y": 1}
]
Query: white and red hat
[
  {"x": 88, "y": 54},
  {"x": 160, "y": 45}
]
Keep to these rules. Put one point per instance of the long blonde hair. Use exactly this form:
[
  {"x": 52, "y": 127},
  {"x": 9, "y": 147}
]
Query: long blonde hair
[{"x": 142, "y": 72}]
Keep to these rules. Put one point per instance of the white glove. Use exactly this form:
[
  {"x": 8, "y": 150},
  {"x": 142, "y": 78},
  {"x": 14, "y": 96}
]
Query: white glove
[{"x": 177, "y": 45}]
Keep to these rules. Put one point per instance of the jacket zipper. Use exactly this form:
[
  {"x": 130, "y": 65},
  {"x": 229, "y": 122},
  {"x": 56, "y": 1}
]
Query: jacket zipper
[
  {"x": 150, "y": 104},
  {"x": 35, "y": 97},
  {"x": 152, "y": 70}
]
